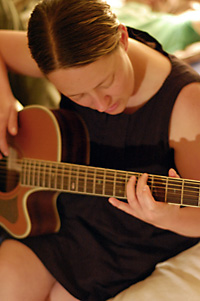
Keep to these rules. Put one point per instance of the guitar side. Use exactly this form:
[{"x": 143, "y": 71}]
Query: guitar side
[{"x": 46, "y": 135}]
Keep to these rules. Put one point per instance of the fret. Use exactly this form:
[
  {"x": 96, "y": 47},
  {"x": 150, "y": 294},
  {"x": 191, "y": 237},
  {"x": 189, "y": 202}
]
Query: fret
[
  {"x": 73, "y": 178},
  {"x": 66, "y": 177},
  {"x": 42, "y": 174},
  {"x": 37, "y": 173},
  {"x": 32, "y": 182},
  {"x": 28, "y": 174},
  {"x": 77, "y": 178},
  {"x": 89, "y": 181},
  {"x": 53, "y": 176},
  {"x": 109, "y": 183},
  {"x": 125, "y": 186},
  {"x": 23, "y": 173},
  {"x": 152, "y": 183},
  {"x": 26, "y": 169},
  {"x": 85, "y": 180},
  {"x": 81, "y": 179},
  {"x": 166, "y": 190},
  {"x": 120, "y": 178},
  {"x": 182, "y": 191},
  {"x": 114, "y": 184},
  {"x": 190, "y": 194},
  {"x": 98, "y": 181},
  {"x": 174, "y": 191},
  {"x": 56, "y": 176},
  {"x": 60, "y": 176},
  {"x": 159, "y": 189},
  {"x": 94, "y": 181},
  {"x": 104, "y": 181},
  {"x": 48, "y": 177}
]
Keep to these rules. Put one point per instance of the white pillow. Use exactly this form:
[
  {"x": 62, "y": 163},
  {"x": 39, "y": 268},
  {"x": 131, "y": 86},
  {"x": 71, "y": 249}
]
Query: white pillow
[{"x": 178, "y": 278}]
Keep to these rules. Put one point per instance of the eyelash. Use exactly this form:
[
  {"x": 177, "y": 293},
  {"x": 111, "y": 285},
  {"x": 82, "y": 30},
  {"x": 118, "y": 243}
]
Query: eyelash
[
  {"x": 104, "y": 87},
  {"x": 79, "y": 97},
  {"x": 109, "y": 84}
]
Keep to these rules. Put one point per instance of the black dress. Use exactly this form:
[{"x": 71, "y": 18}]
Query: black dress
[{"x": 99, "y": 250}]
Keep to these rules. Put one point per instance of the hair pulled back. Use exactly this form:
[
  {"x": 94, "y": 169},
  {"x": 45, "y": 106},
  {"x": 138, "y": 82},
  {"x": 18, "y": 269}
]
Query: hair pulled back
[{"x": 69, "y": 33}]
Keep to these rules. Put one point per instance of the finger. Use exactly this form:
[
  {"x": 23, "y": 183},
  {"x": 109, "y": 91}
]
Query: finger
[
  {"x": 3, "y": 142},
  {"x": 121, "y": 205},
  {"x": 147, "y": 198},
  {"x": 144, "y": 195},
  {"x": 172, "y": 173},
  {"x": 142, "y": 182},
  {"x": 13, "y": 122},
  {"x": 131, "y": 194},
  {"x": 131, "y": 188}
]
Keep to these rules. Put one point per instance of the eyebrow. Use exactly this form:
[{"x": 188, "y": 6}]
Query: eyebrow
[{"x": 104, "y": 80}]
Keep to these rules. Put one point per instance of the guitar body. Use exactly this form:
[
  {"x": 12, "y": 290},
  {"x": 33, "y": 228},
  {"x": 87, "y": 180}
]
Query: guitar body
[
  {"x": 57, "y": 135},
  {"x": 34, "y": 173}
]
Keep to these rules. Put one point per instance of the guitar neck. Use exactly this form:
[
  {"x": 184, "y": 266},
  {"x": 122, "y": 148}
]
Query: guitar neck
[{"x": 96, "y": 181}]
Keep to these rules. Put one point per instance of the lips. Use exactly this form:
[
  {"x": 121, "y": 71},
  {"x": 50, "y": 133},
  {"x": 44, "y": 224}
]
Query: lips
[{"x": 112, "y": 108}]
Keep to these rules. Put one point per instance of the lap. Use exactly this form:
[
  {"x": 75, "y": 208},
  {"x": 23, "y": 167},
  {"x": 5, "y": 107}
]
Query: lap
[{"x": 24, "y": 277}]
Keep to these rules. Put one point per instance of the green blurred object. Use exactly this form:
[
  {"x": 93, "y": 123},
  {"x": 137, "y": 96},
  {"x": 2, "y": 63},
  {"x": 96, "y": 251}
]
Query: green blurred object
[{"x": 174, "y": 32}]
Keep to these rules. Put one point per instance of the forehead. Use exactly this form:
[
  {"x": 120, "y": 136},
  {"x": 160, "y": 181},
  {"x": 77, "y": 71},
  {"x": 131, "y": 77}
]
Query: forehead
[{"x": 75, "y": 80}]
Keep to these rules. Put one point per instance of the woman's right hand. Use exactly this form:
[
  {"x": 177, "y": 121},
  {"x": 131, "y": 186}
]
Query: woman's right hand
[{"x": 8, "y": 123}]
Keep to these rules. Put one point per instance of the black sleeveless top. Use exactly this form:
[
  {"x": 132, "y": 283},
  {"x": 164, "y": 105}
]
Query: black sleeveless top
[{"x": 100, "y": 250}]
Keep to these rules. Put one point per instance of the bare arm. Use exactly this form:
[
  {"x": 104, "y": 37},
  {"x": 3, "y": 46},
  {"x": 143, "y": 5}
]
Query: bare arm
[
  {"x": 15, "y": 53},
  {"x": 185, "y": 139},
  {"x": 15, "y": 56}
]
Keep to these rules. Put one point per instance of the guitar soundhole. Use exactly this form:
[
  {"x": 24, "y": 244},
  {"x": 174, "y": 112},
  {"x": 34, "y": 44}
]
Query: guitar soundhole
[{"x": 9, "y": 172}]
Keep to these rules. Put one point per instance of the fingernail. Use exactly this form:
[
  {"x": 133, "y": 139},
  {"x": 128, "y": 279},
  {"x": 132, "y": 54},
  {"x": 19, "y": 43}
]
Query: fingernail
[
  {"x": 5, "y": 153},
  {"x": 14, "y": 130}
]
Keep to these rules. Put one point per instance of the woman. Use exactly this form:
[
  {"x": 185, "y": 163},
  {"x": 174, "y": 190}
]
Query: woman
[{"x": 141, "y": 108}]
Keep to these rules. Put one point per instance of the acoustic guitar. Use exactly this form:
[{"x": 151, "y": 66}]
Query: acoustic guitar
[{"x": 49, "y": 155}]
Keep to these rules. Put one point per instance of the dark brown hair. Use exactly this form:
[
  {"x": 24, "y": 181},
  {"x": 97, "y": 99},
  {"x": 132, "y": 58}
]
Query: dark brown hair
[{"x": 69, "y": 33}]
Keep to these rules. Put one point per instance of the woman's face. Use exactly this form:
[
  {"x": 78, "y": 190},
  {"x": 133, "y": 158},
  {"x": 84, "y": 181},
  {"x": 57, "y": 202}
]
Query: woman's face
[{"x": 105, "y": 85}]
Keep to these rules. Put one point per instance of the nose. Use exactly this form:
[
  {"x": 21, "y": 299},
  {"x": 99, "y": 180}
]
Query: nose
[{"x": 102, "y": 101}]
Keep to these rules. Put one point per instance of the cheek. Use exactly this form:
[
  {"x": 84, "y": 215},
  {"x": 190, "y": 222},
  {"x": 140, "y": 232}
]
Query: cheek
[
  {"x": 120, "y": 88},
  {"x": 84, "y": 102},
  {"x": 124, "y": 81}
]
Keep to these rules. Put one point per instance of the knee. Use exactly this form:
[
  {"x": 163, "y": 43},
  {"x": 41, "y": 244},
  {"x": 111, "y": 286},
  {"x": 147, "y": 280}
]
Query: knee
[
  {"x": 12, "y": 269},
  {"x": 9, "y": 279},
  {"x": 9, "y": 271}
]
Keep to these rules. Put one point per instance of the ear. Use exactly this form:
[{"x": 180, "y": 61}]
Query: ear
[{"x": 124, "y": 36}]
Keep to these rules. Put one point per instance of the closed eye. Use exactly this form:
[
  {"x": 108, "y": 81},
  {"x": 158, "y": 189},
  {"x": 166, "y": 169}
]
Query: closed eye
[
  {"x": 108, "y": 83},
  {"x": 77, "y": 97}
]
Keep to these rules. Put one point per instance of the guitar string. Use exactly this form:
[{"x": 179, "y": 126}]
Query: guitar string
[
  {"x": 107, "y": 176},
  {"x": 99, "y": 174},
  {"x": 108, "y": 191},
  {"x": 76, "y": 168},
  {"x": 111, "y": 181}
]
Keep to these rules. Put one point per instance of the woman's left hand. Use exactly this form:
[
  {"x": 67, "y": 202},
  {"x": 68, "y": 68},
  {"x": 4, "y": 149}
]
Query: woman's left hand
[{"x": 142, "y": 205}]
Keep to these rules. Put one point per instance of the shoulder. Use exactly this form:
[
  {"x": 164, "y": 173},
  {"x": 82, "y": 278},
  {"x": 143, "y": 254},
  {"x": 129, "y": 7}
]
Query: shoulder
[
  {"x": 186, "y": 113},
  {"x": 184, "y": 131}
]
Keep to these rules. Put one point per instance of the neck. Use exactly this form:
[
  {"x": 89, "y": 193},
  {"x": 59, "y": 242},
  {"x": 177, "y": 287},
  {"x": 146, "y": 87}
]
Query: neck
[{"x": 151, "y": 68}]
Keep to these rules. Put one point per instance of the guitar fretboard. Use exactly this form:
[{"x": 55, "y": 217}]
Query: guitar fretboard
[{"x": 82, "y": 179}]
